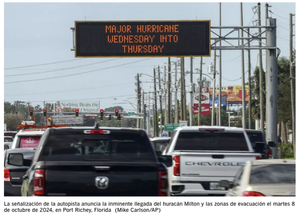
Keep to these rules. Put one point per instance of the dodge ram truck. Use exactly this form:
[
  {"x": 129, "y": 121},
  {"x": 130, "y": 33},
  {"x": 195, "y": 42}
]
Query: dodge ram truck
[
  {"x": 96, "y": 161},
  {"x": 204, "y": 155}
]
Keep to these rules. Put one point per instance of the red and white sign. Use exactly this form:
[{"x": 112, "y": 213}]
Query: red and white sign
[
  {"x": 204, "y": 98},
  {"x": 29, "y": 141},
  {"x": 204, "y": 109}
]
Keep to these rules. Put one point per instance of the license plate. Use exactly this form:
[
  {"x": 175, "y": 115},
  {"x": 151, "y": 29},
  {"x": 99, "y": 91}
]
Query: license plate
[{"x": 216, "y": 186}]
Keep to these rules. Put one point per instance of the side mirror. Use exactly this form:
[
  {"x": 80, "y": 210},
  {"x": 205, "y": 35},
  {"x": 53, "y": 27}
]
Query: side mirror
[
  {"x": 15, "y": 159},
  {"x": 271, "y": 144},
  {"x": 225, "y": 184},
  {"x": 166, "y": 159}
]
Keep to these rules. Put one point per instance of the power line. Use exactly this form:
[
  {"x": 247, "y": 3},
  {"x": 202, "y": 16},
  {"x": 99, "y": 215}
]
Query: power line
[
  {"x": 84, "y": 98},
  {"x": 278, "y": 15},
  {"x": 62, "y": 69},
  {"x": 51, "y": 63},
  {"x": 69, "y": 90},
  {"x": 80, "y": 73}
]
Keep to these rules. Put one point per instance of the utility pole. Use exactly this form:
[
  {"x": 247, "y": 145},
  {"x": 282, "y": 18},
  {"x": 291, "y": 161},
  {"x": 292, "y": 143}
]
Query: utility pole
[
  {"x": 181, "y": 89},
  {"x": 292, "y": 62},
  {"x": 261, "y": 77},
  {"x": 148, "y": 116},
  {"x": 138, "y": 98},
  {"x": 214, "y": 91},
  {"x": 155, "y": 105},
  {"x": 165, "y": 92},
  {"x": 176, "y": 102},
  {"x": 200, "y": 92},
  {"x": 168, "y": 120},
  {"x": 191, "y": 92},
  {"x": 243, "y": 74},
  {"x": 271, "y": 88},
  {"x": 183, "y": 103},
  {"x": 220, "y": 71},
  {"x": 249, "y": 81},
  {"x": 160, "y": 101},
  {"x": 144, "y": 111}
]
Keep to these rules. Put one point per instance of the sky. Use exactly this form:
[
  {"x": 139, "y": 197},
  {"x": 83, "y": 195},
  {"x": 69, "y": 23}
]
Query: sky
[{"x": 39, "y": 63}]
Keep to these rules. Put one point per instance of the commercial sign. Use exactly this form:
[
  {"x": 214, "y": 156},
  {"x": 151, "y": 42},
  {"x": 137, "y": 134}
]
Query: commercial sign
[
  {"x": 223, "y": 103},
  {"x": 83, "y": 106},
  {"x": 233, "y": 93},
  {"x": 204, "y": 109},
  {"x": 142, "y": 38},
  {"x": 67, "y": 120},
  {"x": 204, "y": 98},
  {"x": 29, "y": 142}
]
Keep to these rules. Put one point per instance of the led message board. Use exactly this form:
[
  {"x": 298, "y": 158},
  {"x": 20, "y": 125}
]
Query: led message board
[{"x": 142, "y": 38}]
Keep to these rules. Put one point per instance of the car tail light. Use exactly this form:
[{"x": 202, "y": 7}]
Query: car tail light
[
  {"x": 176, "y": 170},
  {"x": 163, "y": 183},
  {"x": 250, "y": 194},
  {"x": 6, "y": 175},
  {"x": 258, "y": 158},
  {"x": 96, "y": 132},
  {"x": 39, "y": 182},
  {"x": 270, "y": 154}
]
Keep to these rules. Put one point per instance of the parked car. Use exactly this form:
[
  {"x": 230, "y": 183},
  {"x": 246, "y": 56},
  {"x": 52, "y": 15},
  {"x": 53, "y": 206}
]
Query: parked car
[
  {"x": 16, "y": 163},
  {"x": 202, "y": 156},
  {"x": 274, "y": 177},
  {"x": 160, "y": 143},
  {"x": 257, "y": 136},
  {"x": 96, "y": 161}
]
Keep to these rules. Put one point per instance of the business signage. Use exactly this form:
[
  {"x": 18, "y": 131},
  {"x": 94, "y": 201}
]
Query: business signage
[
  {"x": 223, "y": 103},
  {"x": 83, "y": 106},
  {"x": 67, "y": 120},
  {"x": 142, "y": 38},
  {"x": 204, "y": 98},
  {"x": 204, "y": 109}
]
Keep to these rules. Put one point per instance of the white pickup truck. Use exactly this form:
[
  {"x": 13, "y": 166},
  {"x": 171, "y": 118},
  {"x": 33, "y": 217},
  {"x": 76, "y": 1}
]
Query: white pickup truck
[{"x": 204, "y": 155}]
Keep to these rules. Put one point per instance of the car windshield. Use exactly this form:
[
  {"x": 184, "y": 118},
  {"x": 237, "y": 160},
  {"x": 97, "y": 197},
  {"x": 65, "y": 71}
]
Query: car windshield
[
  {"x": 272, "y": 174},
  {"x": 211, "y": 141},
  {"x": 79, "y": 147}
]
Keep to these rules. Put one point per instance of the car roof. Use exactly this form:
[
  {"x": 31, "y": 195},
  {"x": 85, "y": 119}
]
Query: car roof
[
  {"x": 273, "y": 161},
  {"x": 194, "y": 128},
  {"x": 160, "y": 139},
  {"x": 28, "y": 132}
]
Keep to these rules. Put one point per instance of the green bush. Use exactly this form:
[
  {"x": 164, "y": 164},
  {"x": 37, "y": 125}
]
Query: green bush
[{"x": 286, "y": 150}]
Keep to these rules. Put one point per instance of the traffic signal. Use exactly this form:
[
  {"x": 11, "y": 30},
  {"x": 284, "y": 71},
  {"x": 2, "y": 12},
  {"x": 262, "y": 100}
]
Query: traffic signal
[
  {"x": 45, "y": 113},
  {"x": 119, "y": 117},
  {"x": 31, "y": 113},
  {"x": 109, "y": 117},
  {"x": 76, "y": 112},
  {"x": 159, "y": 120},
  {"x": 101, "y": 114},
  {"x": 116, "y": 112}
]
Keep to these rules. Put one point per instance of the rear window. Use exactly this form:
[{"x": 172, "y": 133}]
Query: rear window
[
  {"x": 12, "y": 134},
  {"x": 273, "y": 174},
  {"x": 113, "y": 147},
  {"x": 8, "y": 139},
  {"x": 29, "y": 141},
  {"x": 160, "y": 145},
  {"x": 211, "y": 141}
]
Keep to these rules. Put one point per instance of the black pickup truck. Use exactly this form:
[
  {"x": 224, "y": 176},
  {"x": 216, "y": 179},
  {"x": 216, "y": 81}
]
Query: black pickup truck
[{"x": 96, "y": 161}]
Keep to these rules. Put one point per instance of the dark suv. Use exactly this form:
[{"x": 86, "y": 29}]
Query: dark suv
[{"x": 257, "y": 136}]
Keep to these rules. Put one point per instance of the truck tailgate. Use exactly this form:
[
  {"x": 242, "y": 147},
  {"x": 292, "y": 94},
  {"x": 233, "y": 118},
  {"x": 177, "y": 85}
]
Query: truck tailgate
[
  {"x": 126, "y": 179},
  {"x": 212, "y": 164}
]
